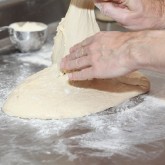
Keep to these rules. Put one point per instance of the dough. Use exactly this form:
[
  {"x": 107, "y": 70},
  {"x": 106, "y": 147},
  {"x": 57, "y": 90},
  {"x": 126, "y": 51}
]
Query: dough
[
  {"x": 78, "y": 24},
  {"x": 101, "y": 17},
  {"x": 47, "y": 95}
]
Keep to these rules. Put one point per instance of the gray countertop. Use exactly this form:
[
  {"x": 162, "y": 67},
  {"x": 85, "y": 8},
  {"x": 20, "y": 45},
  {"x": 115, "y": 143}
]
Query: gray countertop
[{"x": 132, "y": 133}]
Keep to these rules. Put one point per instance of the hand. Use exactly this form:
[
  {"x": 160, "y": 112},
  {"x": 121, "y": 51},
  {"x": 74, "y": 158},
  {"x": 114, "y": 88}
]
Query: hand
[
  {"x": 104, "y": 55},
  {"x": 113, "y": 54},
  {"x": 135, "y": 14}
]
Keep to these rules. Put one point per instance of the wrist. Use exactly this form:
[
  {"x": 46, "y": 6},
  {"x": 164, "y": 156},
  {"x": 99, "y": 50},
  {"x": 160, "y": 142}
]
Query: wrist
[
  {"x": 147, "y": 50},
  {"x": 160, "y": 12},
  {"x": 133, "y": 57}
]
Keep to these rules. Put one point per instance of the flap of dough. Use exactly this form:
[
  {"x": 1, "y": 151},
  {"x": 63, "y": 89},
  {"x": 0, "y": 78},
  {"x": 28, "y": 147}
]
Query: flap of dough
[
  {"x": 137, "y": 79},
  {"x": 46, "y": 95}
]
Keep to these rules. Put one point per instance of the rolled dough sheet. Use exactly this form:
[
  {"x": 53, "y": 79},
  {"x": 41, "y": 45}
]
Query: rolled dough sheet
[{"x": 46, "y": 95}]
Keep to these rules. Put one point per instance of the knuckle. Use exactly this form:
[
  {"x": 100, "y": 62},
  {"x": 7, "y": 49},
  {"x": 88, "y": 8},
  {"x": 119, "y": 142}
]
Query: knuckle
[
  {"x": 91, "y": 48},
  {"x": 105, "y": 11},
  {"x": 68, "y": 65},
  {"x": 125, "y": 19}
]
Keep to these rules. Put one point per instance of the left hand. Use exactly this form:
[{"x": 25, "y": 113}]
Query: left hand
[
  {"x": 104, "y": 55},
  {"x": 135, "y": 14}
]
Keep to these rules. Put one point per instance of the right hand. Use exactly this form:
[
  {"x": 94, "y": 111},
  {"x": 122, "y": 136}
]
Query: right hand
[
  {"x": 113, "y": 54},
  {"x": 135, "y": 14},
  {"x": 103, "y": 55}
]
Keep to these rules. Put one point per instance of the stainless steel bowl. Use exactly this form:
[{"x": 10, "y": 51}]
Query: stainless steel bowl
[{"x": 27, "y": 40}]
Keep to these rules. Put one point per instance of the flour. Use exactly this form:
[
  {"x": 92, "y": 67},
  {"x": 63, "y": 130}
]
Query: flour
[
  {"x": 120, "y": 131},
  {"x": 134, "y": 130},
  {"x": 28, "y": 26},
  {"x": 41, "y": 57}
]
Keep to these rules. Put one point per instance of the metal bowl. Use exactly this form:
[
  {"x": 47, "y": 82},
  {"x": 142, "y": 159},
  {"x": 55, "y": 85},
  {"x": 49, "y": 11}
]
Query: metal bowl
[{"x": 28, "y": 40}]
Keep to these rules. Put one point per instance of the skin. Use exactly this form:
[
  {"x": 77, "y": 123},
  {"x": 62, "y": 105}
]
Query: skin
[
  {"x": 135, "y": 14},
  {"x": 98, "y": 56},
  {"x": 112, "y": 54}
]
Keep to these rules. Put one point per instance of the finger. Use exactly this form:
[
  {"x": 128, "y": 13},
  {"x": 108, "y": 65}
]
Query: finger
[
  {"x": 75, "y": 47},
  {"x": 85, "y": 74},
  {"x": 84, "y": 43},
  {"x": 76, "y": 64},
  {"x": 115, "y": 1},
  {"x": 82, "y": 51},
  {"x": 100, "y": 3}
]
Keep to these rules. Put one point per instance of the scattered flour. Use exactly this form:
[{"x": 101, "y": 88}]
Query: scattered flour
[
  {"x": 121, "y": 130},
  {"x": 42, "y": 57},
  {"x": 134, "y": 129}
]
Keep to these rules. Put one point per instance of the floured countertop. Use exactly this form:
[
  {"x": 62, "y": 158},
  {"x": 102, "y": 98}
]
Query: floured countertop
[{"x": 130, "y": 134}]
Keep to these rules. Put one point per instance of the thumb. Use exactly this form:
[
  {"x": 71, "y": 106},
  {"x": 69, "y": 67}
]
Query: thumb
[
  {"x": 115, "y": 1},
  {"x": 115, "y": 11}
]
